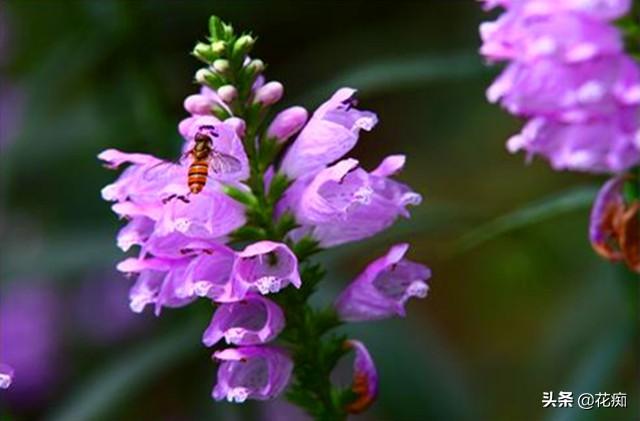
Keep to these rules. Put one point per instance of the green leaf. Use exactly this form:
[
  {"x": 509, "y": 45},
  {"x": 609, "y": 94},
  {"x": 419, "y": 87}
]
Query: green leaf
[
  {"x": 560, "y": 203},
  {"x": 111, "y": 386}
]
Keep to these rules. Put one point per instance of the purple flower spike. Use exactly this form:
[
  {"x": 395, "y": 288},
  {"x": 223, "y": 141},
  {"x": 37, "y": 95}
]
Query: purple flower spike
[
  {"x": 365, "y": 378},
  {"x": 252, "y": 372},
  {"x": 569, "y": 74},
  {"x": 331, "y": 132},
  {"x": 265, "y": 266},
  {"x": 251, "y": 321},
  {"x": 345, "y": 203},
  {"x": 382, "y": 290},
  {"x": 287, "y": 123},
  {"x": 6, "y": 376}
]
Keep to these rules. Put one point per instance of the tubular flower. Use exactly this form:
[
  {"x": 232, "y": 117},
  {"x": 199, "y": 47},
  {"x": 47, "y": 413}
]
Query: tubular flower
[
  {"x": 252, "y": 372},
  {"x": 253, "y": 320},
  {"x": 266, "y": 267},
  {"x": 614, "y": 230},
  {"x": 331, "y": 132},
  {"x": 160, "y": 282},
  {"x": 365, "y": 378},
  {"x": 382, "y": 290},
  {"x": 344, "y": 203},
  {"x": 568, "y": 72}
]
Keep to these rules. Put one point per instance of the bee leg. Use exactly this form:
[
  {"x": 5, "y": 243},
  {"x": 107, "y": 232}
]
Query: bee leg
[
  {"x": 183, "y": 198},
  {"x": 169, "y": 198}
]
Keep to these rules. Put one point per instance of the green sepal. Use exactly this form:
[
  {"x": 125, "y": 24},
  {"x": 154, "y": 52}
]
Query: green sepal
[
  {"x": 306, "y": 247},
  {"x": 245, "y": 197},
  {"x": 279, "y": 184},
  {"x": 285, "y": 223},
  {"x": 242, "y": 47},
  {"x": 216, "y": 28}
]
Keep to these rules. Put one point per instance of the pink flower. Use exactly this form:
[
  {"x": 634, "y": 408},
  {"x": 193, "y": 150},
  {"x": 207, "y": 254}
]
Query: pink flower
[
  {"x": 251, "y": 321},
  {"x": 344, "y": 203},
  {"x": 252, "y": 372},
  {"x": 569, "y": 74},
  {"x": 266, "y": 267},
  {"x": 331, "y": 132},
  {"x": 382, "y": 290}
]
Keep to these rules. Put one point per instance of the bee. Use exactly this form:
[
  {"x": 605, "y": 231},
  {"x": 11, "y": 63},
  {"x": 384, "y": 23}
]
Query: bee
[{"x": 205, "y": 158}]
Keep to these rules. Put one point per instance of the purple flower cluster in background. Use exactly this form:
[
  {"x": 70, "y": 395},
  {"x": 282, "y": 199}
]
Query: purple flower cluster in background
[
  {"x": 30, "y": 351},
  {"x": 568, "y": 74},
  {"x": 188, "y": 242}
]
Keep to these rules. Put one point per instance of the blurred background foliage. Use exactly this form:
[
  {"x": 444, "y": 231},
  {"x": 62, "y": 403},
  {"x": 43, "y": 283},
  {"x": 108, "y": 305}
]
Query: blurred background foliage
[{"x": 519, "y": 303}]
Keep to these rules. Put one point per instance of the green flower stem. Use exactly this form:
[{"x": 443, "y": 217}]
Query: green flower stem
[{"x": 315, "y": 352}]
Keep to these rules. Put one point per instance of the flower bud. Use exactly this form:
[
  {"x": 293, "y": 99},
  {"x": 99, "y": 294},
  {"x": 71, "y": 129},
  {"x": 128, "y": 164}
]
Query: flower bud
[
  {"x": 269, "y": 94},
  {"x": 201, "y": 75},
  {"x": 197, "y": 104},
  {"x": 221, "y": 66},
  {"x": 203, "y": 52},
  {"x": 254, "y": 68},
  {"x": 243, "y": 46},
  {"x": 207, "y": 77},
  {"x": 227, "y": 93},
  {"x": 287, "y": 123},
  {"x": 218, "y": 47}
]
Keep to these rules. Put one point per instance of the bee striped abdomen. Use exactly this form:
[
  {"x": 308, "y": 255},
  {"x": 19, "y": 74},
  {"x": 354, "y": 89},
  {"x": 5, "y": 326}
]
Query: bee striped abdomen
[{"x": 198, "y": 172}]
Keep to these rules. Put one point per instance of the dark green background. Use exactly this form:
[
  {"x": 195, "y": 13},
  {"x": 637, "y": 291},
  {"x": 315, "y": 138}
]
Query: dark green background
[{"x": 529, "y": 310}]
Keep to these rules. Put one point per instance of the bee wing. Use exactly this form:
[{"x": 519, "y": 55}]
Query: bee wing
[
  {"x": 221, "y": 163},
  {"x": 153, "y": 171},
  {"x": 165, "y": 165}
]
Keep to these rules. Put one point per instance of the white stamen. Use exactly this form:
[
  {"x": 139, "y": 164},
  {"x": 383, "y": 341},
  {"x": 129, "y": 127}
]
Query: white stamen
[
  {"x": 234, "y": 335},
  {"x": 202, "y": 288},
  {"x": 267, "y": 284},
  {"x": 237, "y": 394},
  {"x": 363, "y": 195},
  {"x": 418, "y": 289},
  {"x": 138, "y": 303}
]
